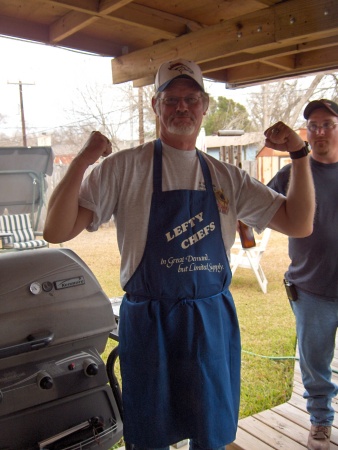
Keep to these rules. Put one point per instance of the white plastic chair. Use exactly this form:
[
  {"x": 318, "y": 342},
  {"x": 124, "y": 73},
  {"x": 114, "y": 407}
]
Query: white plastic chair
[{"x": 249, "y": 258}]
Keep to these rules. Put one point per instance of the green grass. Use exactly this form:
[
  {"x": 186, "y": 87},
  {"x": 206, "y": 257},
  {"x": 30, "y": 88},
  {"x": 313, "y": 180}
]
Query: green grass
[
  {"x": 267, "y": 329},
  {"x": 266, "y": 320}
]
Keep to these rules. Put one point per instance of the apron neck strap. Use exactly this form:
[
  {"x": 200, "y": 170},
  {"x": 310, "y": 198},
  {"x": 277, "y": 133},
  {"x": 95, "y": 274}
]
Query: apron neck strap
[
  {"x": 157, "y": 166},
  {"x": 206, "y": 171}
]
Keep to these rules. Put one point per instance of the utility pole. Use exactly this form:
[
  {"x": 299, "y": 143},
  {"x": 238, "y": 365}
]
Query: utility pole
[{"x": 23, "y": 124}]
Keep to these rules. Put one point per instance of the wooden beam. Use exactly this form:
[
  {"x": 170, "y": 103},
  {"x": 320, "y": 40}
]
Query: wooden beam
[
  {"x": 109, "y": 6},
  {"x": 309, "y": 62},
  {"x": 68, "y": 25},
  {"x": 253, "y": 32},
  {"x": 23, "y": 29},
  {"x": 167, "y": 25},
  {"x": 283, "y": 62},
  {"x": 88, "y": 44},
  {"x": 266, "y": 57},
  {"x": 90, "y": 6}
]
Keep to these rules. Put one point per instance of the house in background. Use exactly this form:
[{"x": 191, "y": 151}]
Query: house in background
[
  {"x": 235, "y": 148},
  {"x": 269, "y": 161}
]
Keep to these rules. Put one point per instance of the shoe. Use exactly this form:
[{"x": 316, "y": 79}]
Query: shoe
[{"x": 319, "y": 438}]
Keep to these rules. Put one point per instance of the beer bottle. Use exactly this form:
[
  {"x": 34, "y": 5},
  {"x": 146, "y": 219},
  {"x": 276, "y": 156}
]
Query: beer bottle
[{"x": 246, "y": 235}]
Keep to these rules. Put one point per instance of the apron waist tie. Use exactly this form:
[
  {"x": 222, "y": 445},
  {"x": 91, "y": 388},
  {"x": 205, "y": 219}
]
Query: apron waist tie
[{"x": 140, "y": 298}]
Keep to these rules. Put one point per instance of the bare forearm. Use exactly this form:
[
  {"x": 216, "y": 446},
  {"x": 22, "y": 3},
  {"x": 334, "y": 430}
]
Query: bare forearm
[
  {"x": 295, "y": 217},
  {"x": 63, "y": 209},
  {"x": 65, "y": 218},
  {"x": 300, "y": 204}
]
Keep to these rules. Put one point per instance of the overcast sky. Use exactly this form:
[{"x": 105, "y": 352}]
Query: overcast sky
[{"x": 50, "y": 77}]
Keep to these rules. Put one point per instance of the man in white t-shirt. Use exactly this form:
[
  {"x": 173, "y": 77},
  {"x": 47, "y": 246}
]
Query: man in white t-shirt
[{"x": 176, "y": 210}]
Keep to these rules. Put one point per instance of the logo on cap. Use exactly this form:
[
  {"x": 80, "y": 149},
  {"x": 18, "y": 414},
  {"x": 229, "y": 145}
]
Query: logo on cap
[
  {"x": 171, "y": 70},
  {"x": 180, "y": 68}
]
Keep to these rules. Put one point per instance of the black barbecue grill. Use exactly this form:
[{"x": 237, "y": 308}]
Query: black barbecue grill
[{"x": 54, "y": 324}]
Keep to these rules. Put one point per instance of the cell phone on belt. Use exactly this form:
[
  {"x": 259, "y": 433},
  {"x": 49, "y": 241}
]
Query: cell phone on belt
[{"x": 291, "y": 291}]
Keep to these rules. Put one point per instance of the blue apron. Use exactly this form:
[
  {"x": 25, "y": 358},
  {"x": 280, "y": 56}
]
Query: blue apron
[{"x": 179, "y": 335}]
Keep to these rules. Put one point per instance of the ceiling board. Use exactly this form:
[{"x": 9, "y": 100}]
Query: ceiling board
[{"x": 238, "y": 42}]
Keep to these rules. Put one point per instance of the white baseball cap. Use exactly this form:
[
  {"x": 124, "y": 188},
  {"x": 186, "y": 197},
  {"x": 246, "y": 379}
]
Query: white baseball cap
[{"x": 179, "y": 68}]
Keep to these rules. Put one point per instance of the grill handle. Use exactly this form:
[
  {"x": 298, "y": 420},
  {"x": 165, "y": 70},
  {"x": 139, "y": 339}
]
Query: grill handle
[
  {"x": 95, "y": 423},
  {"x": 34, "y": 342}
]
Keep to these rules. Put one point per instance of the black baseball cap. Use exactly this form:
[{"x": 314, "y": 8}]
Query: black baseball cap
[{"x": 322, "y": 103}]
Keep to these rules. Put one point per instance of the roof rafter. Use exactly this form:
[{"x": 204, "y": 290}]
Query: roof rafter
[
  {"x": 293, "y": 22},
  {"x": 237, "y": 42},
  {"x": 121, "y": 11}
]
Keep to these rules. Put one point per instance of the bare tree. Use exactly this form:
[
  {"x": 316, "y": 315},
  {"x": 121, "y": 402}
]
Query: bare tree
[
  {"x": 115, "y": 111},
  {"x": 295, "y": 113},
  {"x": 122, "y": 113},
  {"x": 9, "y": 139},
  {"x": 102, "y": 108},
  {"x": 133, "y": 96},
  {"x": 285, "y": 100}
]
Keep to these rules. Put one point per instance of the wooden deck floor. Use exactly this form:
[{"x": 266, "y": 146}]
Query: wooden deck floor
[{"x": 285, "y": 427}]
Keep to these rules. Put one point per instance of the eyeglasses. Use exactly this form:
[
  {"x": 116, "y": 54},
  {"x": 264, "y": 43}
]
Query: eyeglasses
[
  {"x": 314, "y": 128},
  {"x": 190, "y": 100}
]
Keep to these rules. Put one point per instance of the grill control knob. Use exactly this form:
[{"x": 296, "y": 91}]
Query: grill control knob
[
  {"x": 90, "y": 368},
  {"x": 35, "y": 288},
  {"x": 44, "y": 380}
]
